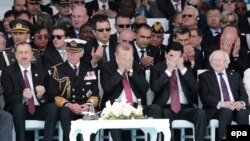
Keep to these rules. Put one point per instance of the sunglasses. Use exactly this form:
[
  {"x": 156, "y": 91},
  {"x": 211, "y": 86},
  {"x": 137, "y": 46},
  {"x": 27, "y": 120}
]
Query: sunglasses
[
  {"x": 59, "y": 37},
  {"x": 241, "y": 8},
  {"x": 187, "y": 15},
  {"x": 40, "y": 37},
  {"x": 227, "y": 1},
  {"x": 102, "y": 29},
  {"x": 191, "y": 4},
  {"x": 124, "y": 25}
]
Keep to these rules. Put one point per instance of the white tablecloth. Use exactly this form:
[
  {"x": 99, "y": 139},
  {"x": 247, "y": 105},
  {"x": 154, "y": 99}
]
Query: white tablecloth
[{"x": 151, "y": 126}]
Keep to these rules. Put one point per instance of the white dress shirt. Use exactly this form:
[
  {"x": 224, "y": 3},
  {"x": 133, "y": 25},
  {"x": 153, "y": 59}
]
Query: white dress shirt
[
  {"x": 183, "y": 98},
  {"x": 29, "y": 75}
]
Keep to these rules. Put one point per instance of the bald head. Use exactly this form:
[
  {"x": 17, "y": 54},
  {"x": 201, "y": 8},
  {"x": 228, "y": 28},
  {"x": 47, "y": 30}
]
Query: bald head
[
  {"x": 79, "y": 17},
  {"x": 126, "y": 36},
  {"x": 140, "y": 20}
]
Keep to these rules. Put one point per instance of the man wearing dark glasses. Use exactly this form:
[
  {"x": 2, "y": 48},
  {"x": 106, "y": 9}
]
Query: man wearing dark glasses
[
  {"x": 122, "y": 21},
  {"x": 63, "y": 10},
  {"x": 101, "y": 49},
  {"x": 57, "y": 53}
]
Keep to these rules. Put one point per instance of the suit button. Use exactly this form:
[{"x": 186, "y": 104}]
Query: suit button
[
  {"x": 73, "y": 100},
  {"x": 74, "y": 96},
  {"x": 83, "y": 96},
  {"x": 73, "y": 89},
  {"x": 83, "y": 89}
]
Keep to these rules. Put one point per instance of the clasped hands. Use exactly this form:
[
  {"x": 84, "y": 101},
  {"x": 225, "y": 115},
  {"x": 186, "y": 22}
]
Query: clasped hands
[
  {"x": 27, "y": 93},
  {"x": 78, "y": 109},
  {"x": 238, "y": 105}
]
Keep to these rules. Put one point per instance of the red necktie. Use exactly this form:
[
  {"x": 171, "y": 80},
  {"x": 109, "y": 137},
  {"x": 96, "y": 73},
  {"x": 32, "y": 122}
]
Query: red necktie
[
  {"x": 174, "y": 93},
  {"x": 127, "y": 89},
  {"x": 31, "y": 105}
]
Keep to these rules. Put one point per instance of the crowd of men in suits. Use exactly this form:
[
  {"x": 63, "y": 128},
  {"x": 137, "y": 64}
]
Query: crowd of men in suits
[{"x": 50, "y": 64}]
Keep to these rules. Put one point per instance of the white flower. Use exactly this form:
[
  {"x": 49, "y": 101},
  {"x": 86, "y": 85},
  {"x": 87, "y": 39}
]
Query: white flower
[{"x": 121, "y": 110}]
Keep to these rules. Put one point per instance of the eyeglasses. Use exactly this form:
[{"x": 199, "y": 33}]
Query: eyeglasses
[
  {"x": 40, "y": 37},
  {"x": 102, "y": 29},
  {"x": 227, "y": 1},
  {"x": 187, "y": 15},
  {"x": 191, "y": 4},
  {"x": 59, "y": 37},
  {"x": 124, "y": 25}
]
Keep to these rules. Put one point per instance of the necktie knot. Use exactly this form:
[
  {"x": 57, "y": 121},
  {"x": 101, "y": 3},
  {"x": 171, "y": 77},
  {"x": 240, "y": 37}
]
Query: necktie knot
[
  {"x": 220, "y": 74},
  {"x": 104, "y": 7},
  {"x": 104, "y": 46},
  {"x": 142, "y": 53},
  {"x": 25, "y": 71}
]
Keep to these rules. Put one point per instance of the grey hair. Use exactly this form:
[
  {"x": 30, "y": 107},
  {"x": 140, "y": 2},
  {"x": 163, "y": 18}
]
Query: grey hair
[
  {"x": 216, "y": 51},
  {"x": 196, "y": 12}
]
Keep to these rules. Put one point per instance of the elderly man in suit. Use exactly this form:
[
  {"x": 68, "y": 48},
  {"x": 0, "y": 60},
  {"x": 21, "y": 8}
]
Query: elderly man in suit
[
  {"x": 25, "y": 94},
  {"x": 176, "y": 90},
  {"x": 223, "y": 94},
  {"x": 74, "y": 86}
]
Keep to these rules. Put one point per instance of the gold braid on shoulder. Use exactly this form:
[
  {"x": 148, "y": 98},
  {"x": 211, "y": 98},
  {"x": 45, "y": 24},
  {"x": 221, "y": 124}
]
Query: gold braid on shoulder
[{"x": 61, "y": 81}]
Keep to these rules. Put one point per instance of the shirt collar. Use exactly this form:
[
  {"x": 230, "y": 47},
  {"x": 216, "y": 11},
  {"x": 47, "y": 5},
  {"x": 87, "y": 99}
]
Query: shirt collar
[
  {"x": 100, "y": 43},
  {"x": 28, "y": 68}
]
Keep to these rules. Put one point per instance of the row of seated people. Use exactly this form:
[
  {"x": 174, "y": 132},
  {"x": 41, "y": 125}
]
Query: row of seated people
[{"x": 72, "y": 84}]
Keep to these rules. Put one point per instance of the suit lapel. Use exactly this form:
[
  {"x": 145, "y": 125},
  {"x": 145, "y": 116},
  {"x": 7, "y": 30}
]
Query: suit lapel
[
  {"x": 19, "y": 75},
  {"x": 34, "y": 76},
  {"x": 231, "y": 82},
  {"x": 82, "y": 72},
  {"x": 136, "y": 56},
  {"x": 216, "y": 84}
]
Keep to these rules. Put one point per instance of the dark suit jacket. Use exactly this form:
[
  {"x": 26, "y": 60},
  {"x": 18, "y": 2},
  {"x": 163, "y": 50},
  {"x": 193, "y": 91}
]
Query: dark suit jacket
[
  {"x": 209, "y": 90},
  {"x": 168, "y": 9},
  {"x": 111, "y": 81},
  {"x": 72, "y": 32},
  {"x": 13, "y": 83},
  {"x": 46, "y": 9},
  {"x": 93, "y": 5},
  {"x": 51, "y": 57},
  {"x": 79, "y": 84},
  {"x": 160, "y": 55},
  {"x": 160, "y": 84},
  {"x": 94, "y": 44},
  {"x": 151, "y": 51}
]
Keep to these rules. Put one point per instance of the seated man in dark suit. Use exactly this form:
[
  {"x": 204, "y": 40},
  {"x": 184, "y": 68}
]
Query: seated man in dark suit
[
  {"x": 126, "y": 81},
  {"x": 74, "y": 86},
  {"x": 25, "y": 95},
  {"x": 223, "y": 94},
  {"x": 144, "y": 53},
  {"x": 176, "y": 90}
]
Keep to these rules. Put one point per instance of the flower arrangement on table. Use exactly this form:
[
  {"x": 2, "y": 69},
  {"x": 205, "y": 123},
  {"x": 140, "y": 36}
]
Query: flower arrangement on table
[{"x": 121, "y": 110}]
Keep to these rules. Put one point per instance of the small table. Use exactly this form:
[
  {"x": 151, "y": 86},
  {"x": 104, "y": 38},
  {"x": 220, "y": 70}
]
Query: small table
[{"x": 150, "y": 126}]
